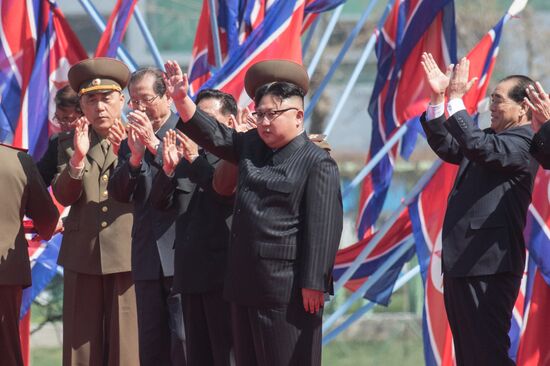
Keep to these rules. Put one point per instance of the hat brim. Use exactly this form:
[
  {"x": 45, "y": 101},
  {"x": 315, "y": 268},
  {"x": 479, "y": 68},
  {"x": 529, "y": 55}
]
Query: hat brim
[{"x": 269, "y": 71}]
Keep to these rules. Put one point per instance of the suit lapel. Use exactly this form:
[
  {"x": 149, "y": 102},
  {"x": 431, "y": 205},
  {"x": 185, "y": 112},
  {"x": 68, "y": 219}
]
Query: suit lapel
[{"x": 109, "y": 159}]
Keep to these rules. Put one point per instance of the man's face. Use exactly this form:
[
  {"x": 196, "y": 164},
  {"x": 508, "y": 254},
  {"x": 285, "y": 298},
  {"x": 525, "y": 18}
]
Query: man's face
[
  {"x": 66, "y": 117},
  {"x": 505, "y": 112},
  {"x": 279, "y": 121},
  {"x": 213, "y": 107},
  {"x": 102, "y": 109},
  {"x": 144, "y": 98}
]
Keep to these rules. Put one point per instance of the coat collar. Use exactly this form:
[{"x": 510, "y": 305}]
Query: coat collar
[{"x": 170, "y": 124}]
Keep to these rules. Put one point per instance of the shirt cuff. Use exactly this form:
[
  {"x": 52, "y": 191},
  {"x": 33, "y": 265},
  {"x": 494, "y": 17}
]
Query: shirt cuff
[
  {"x": 435, "y": 111},
  {"x": 76, "y": 172},
  {"x": 455, "y": 105}
]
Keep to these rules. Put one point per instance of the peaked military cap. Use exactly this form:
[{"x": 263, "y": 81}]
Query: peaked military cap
[
  {"x": 270, "y": 71},
  {"x": 98, "y": 75}
]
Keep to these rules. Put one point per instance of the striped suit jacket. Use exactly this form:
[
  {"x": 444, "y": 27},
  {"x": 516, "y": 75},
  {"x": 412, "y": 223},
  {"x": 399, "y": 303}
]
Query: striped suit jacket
[{"x": 287, "y": 218}]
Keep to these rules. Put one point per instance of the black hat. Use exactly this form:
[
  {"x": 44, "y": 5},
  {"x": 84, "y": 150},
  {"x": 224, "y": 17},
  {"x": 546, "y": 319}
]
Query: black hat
[
  {"x": 98, "y": 75},
  {"x": 269, "y": 71}
]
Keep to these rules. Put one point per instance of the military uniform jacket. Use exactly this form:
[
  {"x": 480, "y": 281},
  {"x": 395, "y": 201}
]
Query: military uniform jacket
[
  {"x": 487, "y": 206},
  {"x": 154, "y": 231},
  {"x": 287, "y": 218},
  {"x": 23, "y": 193},
  {"x": 97, "y": 236},
  {"x": 202, "y": 238}
]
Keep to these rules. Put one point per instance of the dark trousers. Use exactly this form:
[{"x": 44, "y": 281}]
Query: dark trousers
[
  {"x": 207, "y": 329},
  {"x": 479, "y": 310},
  {"x": 10, "y": 346},
  {"x": 160, "y": 324},
  {"x": 276, "y": 336}
]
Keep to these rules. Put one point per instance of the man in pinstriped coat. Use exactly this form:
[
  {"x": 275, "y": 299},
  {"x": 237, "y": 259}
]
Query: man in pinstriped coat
[{"x": 287, "y": 217}]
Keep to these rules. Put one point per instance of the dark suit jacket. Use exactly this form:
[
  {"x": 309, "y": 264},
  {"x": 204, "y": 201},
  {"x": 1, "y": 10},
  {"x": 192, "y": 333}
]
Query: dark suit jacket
[
  {"x": 47, "y": 166},
  {"x": 287, "y": 218},
  {"x": 153, "y": 232},
  {"x": 23, "y": 193},
  {"x": 202, "y": 236},
  {"x": 540, "y": 148},
  {"x": 487, "y": 206}
]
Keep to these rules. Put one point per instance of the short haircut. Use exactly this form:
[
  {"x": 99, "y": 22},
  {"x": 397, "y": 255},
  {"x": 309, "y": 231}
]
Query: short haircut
[
  {"x": 279, "y": 89},
  {"x": 66, "y": 97},
  {"x": 517, "y": 93},
  {"x": 229, "y": 104},
  {"x": 158, "y": 86}
]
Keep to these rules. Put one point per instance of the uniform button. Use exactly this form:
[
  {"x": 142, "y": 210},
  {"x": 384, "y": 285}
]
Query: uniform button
[
  {"x": 105, "y": 178},
  {"x": 105, "y": 193},
  {"x": 238, "y": 210},
  {"x": 234, "y": 235},
  {"x": 104, "y": 208},
  {"x": 104, "y": 224}
]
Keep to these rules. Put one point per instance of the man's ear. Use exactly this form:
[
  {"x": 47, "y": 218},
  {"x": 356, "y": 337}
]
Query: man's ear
[
  {"x": 232, "y": 121},
  {"x": 300, "y": 117}
]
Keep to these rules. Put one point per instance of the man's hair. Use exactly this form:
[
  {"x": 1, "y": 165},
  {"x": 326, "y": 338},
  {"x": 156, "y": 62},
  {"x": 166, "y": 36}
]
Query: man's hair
[
  {"x": 279, "y": 89},
  {"x": 229, "y": 104},
  {"x": 66, "y": 97},
  {"x": 517, "y": 92},
  {"x": 158, "y": 85}
]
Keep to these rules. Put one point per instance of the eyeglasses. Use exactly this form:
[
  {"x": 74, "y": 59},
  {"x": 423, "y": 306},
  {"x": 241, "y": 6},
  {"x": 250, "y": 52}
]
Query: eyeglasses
[
  {"x": 67, "y": 119},
  {"x": 271, "y": 114},
  {"x": 143, "y": 101}
]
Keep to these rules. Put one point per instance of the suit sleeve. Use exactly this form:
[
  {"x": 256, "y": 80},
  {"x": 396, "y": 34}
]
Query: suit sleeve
[
  {"x": 66, "y": 189},
  {"x": 440, "y": 140},
  {"x": 123, "y": 184},
  {"x": 40, "y": 207},
  {"x": 323, "y": 226},
  {"x": 201, "y": 172},
  {"x": 47, "y": 166},
  {"x": 540, "y": 147},
  {"x": 506, "y": 151},
  {"x": 163, "y": 191},
  {"x": 213, "y": 136}
]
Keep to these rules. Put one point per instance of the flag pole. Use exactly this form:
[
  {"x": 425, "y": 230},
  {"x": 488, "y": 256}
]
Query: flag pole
[
  {"x": 148, "y": 38},
  {"x": 394, "y": 139},
  {"x": 375, "y": 277},
  {"x": 387, "y": 225},
  {"x": 309, "y": 36},
  {"x": 345, "y": 48},
  {"x": 401, "y": 281},
  {"x": 324, "y": 40},
  {"x": 215, "y": 34},
  {"x": 100, "y": 24}
]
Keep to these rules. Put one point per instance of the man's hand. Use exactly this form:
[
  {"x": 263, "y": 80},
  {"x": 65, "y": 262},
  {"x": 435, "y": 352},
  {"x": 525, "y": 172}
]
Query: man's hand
[
  {"x": 245, "y": 121},
  {"x": 144, "y": 130},
  {"x": 171, "y": 155},
  {"x": 136, "y": 147},
  {"x": 177, "y": 84},
  {"x": 117, "y": 133},
  {"x": 539, "y": 103},
  {"x": 459, "y": 84},
  {"x": 81, "y": 142},
  {"x": 437, "y": 80},
  {"x": 187, "y": 147},
  {"x": 313, "y": 300}
]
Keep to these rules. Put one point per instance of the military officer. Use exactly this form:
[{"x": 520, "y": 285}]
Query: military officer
[
  {"x": 99, "y": 305},
  {"x": 23, "y": 193}
]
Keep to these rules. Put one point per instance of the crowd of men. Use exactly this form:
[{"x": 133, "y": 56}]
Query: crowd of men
[{"x": 208, "y": 236}]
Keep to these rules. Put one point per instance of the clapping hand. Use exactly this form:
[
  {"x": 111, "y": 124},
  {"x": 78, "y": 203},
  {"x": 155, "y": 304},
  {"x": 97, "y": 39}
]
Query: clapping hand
[
  {"x": 245, "y": 121},
  {"x": 177, "y": 84},
  {"x": 81, "y": 142},
  {"x": 144, "y": 130},
  {"x": 136, "y": 146},
  {"x": 188, "y": 147},
  {"x": 171, "y": 153},
  {"x": 437, "y": 80},
  {"x": 459, "y": 84},
  {"x": 539, "y": 103},
  {"x": 117, "y": 133}
]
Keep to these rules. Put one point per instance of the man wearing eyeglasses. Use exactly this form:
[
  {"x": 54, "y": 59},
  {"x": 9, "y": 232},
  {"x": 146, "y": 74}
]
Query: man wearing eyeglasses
[
  {"x": 160, "y": 321},
  {"x": 287, "y": 218},
  {"x": 67, "y": 112}
]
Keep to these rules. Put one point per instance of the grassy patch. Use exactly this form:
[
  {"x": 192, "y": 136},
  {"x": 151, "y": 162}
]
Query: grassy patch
[{"x": 46, "y": 356}]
